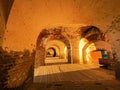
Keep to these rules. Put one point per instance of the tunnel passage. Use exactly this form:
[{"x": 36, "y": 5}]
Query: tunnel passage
[
  {"x": 15, "y": 20},
  {"x": 59, "y": 47},
  {"x": 51, "y": 52},
  {"x": 43, "y": 38}
]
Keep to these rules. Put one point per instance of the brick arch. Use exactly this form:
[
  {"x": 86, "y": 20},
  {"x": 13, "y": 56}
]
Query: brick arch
[
  {"x": 44, "y": 36},
  {"x": 93, "y": 35}
]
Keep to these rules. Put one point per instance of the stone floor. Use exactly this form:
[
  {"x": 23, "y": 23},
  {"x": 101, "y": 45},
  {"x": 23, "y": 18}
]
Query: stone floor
[
  {"x": 74, "y": 77},
  {"x": 86, "y": 85}
]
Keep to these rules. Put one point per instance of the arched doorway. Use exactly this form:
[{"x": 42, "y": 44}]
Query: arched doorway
[
  {"x": 44, "y": 36},
  {"x": 93, "y": 52},
  {"x": 92, "y": 44}
]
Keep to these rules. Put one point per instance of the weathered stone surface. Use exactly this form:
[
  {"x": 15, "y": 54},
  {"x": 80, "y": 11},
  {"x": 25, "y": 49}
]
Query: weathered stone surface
[
  {"x": 27, "y": 19},
  {"x": 15, "y": 72},
  {"x": 117, "y": 70},
  {"x": 5, "y": 8}
]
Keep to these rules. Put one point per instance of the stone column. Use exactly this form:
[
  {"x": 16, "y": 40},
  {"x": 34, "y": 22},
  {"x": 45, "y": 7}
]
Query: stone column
[
  {"x": 40, "y": 57},
  {"x": 75, "y": 50}
]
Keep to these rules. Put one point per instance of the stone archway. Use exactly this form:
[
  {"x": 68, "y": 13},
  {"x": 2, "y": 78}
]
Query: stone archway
[
  {"x": 96, "y": 39},
  {"x": 89, "y": 35},
  {"x": 44, "y": 36}
]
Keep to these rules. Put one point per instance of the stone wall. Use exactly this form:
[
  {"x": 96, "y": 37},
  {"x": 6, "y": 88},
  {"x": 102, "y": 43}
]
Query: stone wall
[
  {"x": 113, "y": 32},
  {"x": 16, "y": 72},
  {"x": 5, "y": 7},
  {"x": 2, "y": 25}
]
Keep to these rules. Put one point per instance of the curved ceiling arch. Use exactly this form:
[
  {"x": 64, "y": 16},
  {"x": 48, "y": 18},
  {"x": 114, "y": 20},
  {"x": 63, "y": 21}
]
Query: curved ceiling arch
[{"x": 46, "y": 35}]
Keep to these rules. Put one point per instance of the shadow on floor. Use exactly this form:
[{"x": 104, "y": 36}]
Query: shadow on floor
[
  {"x": 63, "y": 77},
  {"x": 83, "y": 85},
  {"x": 96, "y": 74}
]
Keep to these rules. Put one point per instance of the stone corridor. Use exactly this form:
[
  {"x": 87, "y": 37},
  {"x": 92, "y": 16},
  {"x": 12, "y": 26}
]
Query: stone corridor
[
  {"x": 71, "y": 72},
  {"x": 74, "y": 77},
  {"x": 59, "y": 44}
]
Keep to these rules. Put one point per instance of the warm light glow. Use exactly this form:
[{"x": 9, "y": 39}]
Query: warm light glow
[
  {"x": 95, "y": 56},
  {"x": 65, "y": 52},
  {"x": 66, "y": 68},
  {"x": 89, "y": 49},
  {"x": 82, "y": 43}
]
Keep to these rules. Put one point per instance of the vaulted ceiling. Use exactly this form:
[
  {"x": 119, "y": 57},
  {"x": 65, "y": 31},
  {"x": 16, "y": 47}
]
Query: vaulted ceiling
[{"x": 27, "y": 17}]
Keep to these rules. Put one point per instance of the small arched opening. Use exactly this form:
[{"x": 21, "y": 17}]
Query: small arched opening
[{"x": 51, "y": 52}]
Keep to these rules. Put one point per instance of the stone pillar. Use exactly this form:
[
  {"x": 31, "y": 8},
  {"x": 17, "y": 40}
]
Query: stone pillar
[
  {"x": 75, "y": 51},
  {"x": 69, "y": 55},
  {"x": 40, "y": 57}
]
